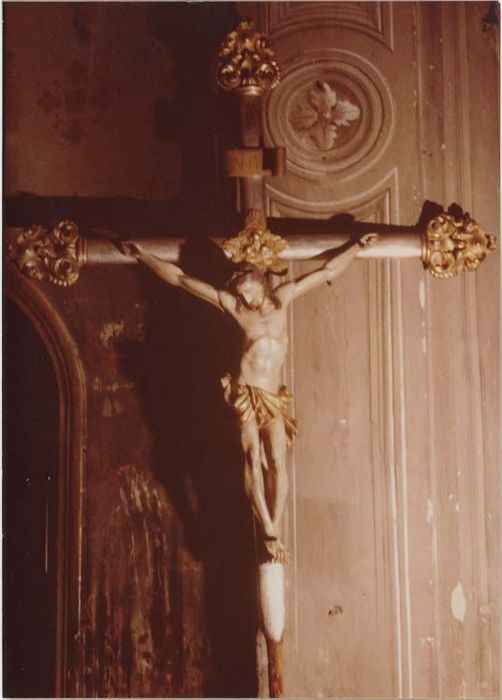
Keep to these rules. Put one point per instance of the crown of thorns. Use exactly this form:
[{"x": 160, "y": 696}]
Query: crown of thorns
[{"x": 242, "y": 270}]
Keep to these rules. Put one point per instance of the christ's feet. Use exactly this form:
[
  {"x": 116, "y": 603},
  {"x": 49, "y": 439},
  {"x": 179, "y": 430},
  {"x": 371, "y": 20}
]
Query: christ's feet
[{"x": 277, "y": 551}]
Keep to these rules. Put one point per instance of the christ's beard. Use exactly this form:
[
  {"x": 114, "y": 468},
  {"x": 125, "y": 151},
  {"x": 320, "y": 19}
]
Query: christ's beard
[{"x": 251, "y": 305}]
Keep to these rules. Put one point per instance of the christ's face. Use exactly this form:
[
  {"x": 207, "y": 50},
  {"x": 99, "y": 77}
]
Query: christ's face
[{"x": 251, "y": 292}]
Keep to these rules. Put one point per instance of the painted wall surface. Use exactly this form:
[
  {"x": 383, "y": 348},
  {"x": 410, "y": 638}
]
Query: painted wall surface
[
  {"x": 112, "y": 120},
  {"x": 82, "y": 86},
  {"x": 394, "y": 516}
]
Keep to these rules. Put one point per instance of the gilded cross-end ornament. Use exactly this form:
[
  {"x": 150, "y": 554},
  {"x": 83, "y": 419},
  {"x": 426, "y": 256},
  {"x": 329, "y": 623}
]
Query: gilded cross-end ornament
[
  {"x": 56, "y": 254},
  {"x": 453, "y": 244},
  {"x": 256, "y": 244},
  {"x": 246, "y": 61}
]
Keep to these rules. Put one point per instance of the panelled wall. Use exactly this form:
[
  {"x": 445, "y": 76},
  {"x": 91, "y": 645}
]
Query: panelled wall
[
  {"x": 393, "y": 520},
  {"x": 112, "y": 120}
]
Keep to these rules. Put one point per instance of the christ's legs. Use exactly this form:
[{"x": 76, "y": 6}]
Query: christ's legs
[
  {"x": 275, "y": 444},
  {"x": 253, "y": 477}
]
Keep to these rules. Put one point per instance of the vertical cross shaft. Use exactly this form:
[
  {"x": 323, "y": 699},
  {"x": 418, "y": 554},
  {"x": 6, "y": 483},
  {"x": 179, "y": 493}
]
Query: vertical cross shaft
[
  {"x": 247, "y": 67},
  {"x": 251, "y": 192}
]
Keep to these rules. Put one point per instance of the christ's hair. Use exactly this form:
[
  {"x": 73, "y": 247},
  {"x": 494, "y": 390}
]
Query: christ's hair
[{"x": 245, "y": 271}]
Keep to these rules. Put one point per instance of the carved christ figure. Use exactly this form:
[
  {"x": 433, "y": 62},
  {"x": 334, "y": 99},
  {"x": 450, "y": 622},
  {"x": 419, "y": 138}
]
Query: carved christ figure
[{"x": 256, "y": 394}]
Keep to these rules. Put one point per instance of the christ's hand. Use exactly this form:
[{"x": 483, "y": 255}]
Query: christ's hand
[
  {"x": 368, "y": 240},
  {"x": 130, "y": 249}
]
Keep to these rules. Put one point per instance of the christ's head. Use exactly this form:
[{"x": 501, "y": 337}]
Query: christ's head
[{"x": 250, "y": 287}]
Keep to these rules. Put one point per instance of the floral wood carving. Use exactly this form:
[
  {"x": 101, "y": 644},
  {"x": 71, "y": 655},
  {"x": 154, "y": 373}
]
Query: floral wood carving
[
  {"x": 55, "y": 254},
  {"x": 246, "y": 61},
  {"x": 453, "y": 244},
  {"x": 256, "y": 244},
  {"x": 322, "y": 114}
]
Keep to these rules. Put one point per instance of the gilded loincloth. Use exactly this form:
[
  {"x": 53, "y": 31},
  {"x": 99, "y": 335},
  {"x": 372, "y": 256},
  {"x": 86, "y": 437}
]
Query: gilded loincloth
[{"x": 252, "y": 402}]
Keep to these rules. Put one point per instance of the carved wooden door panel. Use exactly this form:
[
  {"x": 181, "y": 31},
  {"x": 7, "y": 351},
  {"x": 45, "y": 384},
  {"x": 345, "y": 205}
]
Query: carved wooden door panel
[{"x": 392, "y": 589}]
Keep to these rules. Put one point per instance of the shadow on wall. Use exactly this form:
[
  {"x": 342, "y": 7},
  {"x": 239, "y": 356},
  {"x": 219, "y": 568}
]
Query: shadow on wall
[
  {"x": 202, "y": 118},
  {"x": 188, "y": 346}
]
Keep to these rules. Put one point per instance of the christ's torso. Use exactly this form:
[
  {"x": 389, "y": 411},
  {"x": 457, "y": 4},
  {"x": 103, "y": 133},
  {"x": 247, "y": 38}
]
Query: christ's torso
[{"x": 264, "y": 347}]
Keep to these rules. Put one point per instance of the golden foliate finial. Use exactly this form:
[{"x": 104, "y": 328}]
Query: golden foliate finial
[
  {"x": 246, "y": 61},
  {"x": 453, "y": 244},
  {"x": 55, "y": 254}
]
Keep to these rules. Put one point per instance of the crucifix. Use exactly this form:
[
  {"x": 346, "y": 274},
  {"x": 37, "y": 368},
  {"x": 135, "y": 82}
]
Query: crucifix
[{"x": 448, "y": 243}]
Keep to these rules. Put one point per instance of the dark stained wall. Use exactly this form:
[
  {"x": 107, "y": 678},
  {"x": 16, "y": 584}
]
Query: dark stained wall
[
  {"x": 30, "y": 485},
  {"x": 112, "y": 120}
]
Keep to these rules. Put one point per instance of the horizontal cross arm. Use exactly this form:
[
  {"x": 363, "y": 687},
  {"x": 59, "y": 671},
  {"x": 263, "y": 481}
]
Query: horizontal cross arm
[
  {"x": 299, "y": 247},
  {"x": 446, "y": 245}
]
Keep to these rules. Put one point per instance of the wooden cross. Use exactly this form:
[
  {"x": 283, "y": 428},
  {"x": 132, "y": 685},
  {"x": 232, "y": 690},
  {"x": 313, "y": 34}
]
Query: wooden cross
[{"x": 445, "y": 242}]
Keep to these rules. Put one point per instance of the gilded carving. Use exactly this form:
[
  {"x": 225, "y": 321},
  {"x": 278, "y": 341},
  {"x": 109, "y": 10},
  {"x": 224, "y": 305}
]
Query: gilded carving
[
  {"x": 55, "y": 254},
  {"x": 257, "y": 245},
  {"x": 453, "y": 244},
  {"x": 246, "y": 61},
  {"x": 321, "y": 115}
]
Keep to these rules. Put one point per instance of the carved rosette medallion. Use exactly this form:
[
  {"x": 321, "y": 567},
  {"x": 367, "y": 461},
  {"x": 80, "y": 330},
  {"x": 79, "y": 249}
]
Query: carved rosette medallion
[
  {"x": 55, "y": 254},
  {"x": 246, "y": 61},
  {"x": 451, "y": 245},
  {"x": 323, "y": 116},
  {"x": 333, "y": 111},
  {"x": 256, "y": 244}
]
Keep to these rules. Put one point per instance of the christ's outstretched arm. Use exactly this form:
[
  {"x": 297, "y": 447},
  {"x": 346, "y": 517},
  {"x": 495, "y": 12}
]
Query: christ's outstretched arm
[
  {"x": 332, "y": 269},
  {"x": 175, "y": 276}
]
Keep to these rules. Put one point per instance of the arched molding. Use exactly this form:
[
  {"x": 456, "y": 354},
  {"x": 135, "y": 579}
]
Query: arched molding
[
  {"x": 65, "y": 356},
  {"x": 374, "y": 19},
  {"x": 377, "y": 204}
]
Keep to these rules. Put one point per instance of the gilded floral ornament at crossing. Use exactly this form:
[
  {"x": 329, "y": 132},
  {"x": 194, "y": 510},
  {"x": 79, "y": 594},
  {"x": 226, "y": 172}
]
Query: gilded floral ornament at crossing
[
  {"x": 246, "y": 61},
  {"x": 453, "y": 244},
  {"x": 55, "y": 254},
  {"x": 256, "y": 244}
]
